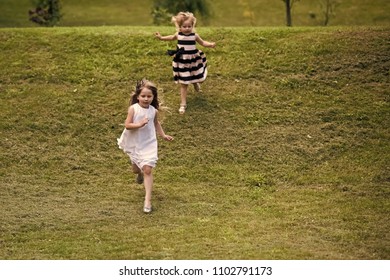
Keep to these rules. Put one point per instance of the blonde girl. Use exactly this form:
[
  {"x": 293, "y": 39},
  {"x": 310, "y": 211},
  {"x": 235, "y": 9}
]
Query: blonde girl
[{"x": 189, "y": 64}]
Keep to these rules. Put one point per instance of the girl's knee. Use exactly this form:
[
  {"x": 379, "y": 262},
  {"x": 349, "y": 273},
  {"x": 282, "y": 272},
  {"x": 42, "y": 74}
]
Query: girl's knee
[{"x": 147, "y": 170}]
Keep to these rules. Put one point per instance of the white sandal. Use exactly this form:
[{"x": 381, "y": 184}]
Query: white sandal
[
  {"x": 147, "y": 210},
  {"x": 182, "y": 108}
]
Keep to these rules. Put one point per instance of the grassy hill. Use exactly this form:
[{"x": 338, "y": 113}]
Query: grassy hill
[
  {"x": 285, "y": 155},
  {"x": 224, "y": 13}
]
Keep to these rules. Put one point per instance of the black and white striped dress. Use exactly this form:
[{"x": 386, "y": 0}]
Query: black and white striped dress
[{"x": 189, "y": 64}]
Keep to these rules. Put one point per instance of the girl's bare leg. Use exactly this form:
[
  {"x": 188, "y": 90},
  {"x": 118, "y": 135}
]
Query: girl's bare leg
[
  {"x": 148, "y": 183},
  {"x": 183, "y": 98},
  {"x": 197, "y": 87},
  {"x": 140, "y": 176}
]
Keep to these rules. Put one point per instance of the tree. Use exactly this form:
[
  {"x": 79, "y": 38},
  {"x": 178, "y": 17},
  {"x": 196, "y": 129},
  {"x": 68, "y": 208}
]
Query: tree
[
  {"x": 289, "y": 5},
  {"x": 163, "y": 10},
  {"x": 46, "y": 13},
  {"x": 328, "y": 9}
]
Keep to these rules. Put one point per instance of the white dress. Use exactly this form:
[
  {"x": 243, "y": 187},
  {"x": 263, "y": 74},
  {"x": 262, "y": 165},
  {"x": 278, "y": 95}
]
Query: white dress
[{"x": 141, "y": 143}]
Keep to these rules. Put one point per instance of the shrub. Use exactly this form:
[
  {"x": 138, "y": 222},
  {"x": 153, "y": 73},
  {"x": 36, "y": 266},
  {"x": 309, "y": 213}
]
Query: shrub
[{"x": 46, "y": 13}]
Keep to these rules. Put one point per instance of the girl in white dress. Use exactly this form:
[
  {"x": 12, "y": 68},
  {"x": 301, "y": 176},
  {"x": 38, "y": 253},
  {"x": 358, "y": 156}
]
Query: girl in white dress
[
  {"x": 189, "y": 64},
  {"x": 139, "y": 139}
]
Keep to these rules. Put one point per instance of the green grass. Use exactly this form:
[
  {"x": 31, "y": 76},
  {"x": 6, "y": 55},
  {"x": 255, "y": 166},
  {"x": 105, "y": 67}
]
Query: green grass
[
  {"x": 285, "y": 155},
  {"x": 225, "y": 13}
]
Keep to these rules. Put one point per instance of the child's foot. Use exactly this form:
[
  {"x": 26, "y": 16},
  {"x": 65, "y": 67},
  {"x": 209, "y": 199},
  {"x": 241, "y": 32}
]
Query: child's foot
[
  {"x": 140, "y": 178},
  {"x": 147, "y": 207},
  {"x": 197, "y": 87},
  {"x": 182, "y": 108}
]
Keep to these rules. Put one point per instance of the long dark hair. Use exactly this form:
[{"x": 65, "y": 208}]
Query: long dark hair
[{"x": 139, "y": 87}]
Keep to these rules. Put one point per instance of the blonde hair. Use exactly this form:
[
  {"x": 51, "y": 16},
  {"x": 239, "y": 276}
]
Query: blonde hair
[{"x": 181, "y": 17}]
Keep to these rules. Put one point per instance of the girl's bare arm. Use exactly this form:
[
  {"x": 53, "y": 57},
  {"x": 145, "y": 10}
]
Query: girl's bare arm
[
  {"x": 204, "y": 43},
  {"x": 160, "y": 130},
  {"x": 166, "y": 38},
  {"x": 129, "y": 124}
]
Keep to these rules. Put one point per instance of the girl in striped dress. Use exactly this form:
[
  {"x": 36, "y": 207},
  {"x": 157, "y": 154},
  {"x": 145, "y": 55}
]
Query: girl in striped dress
[{"x": 189, "y": 64}]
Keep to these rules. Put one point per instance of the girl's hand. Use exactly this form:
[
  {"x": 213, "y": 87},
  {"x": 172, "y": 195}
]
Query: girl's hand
[
  {"x": 144, "y": 122},
  {"x": 158, "y": 35},
  {"x": 212, "y": 45},
  {"x": 168, "y": 137}
]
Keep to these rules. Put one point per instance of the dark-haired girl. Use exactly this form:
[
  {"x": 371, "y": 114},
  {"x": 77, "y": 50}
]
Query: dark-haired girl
[{"x": 139, "y": 139}]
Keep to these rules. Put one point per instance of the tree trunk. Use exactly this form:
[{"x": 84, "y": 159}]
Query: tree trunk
[
  {"x": 288, "y": 12},
  {"x": 327, "y": 12}
]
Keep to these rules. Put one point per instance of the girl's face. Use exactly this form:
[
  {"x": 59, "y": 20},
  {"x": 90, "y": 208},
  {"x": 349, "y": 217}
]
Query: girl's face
[
  {"x": 186, "y": 27},
  {"x": 145, "y": 97}
]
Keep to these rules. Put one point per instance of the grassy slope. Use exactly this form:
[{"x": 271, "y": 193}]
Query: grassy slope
[
  {"x": 225, "y": 13},
  {"x": 284, "y": 156}
]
